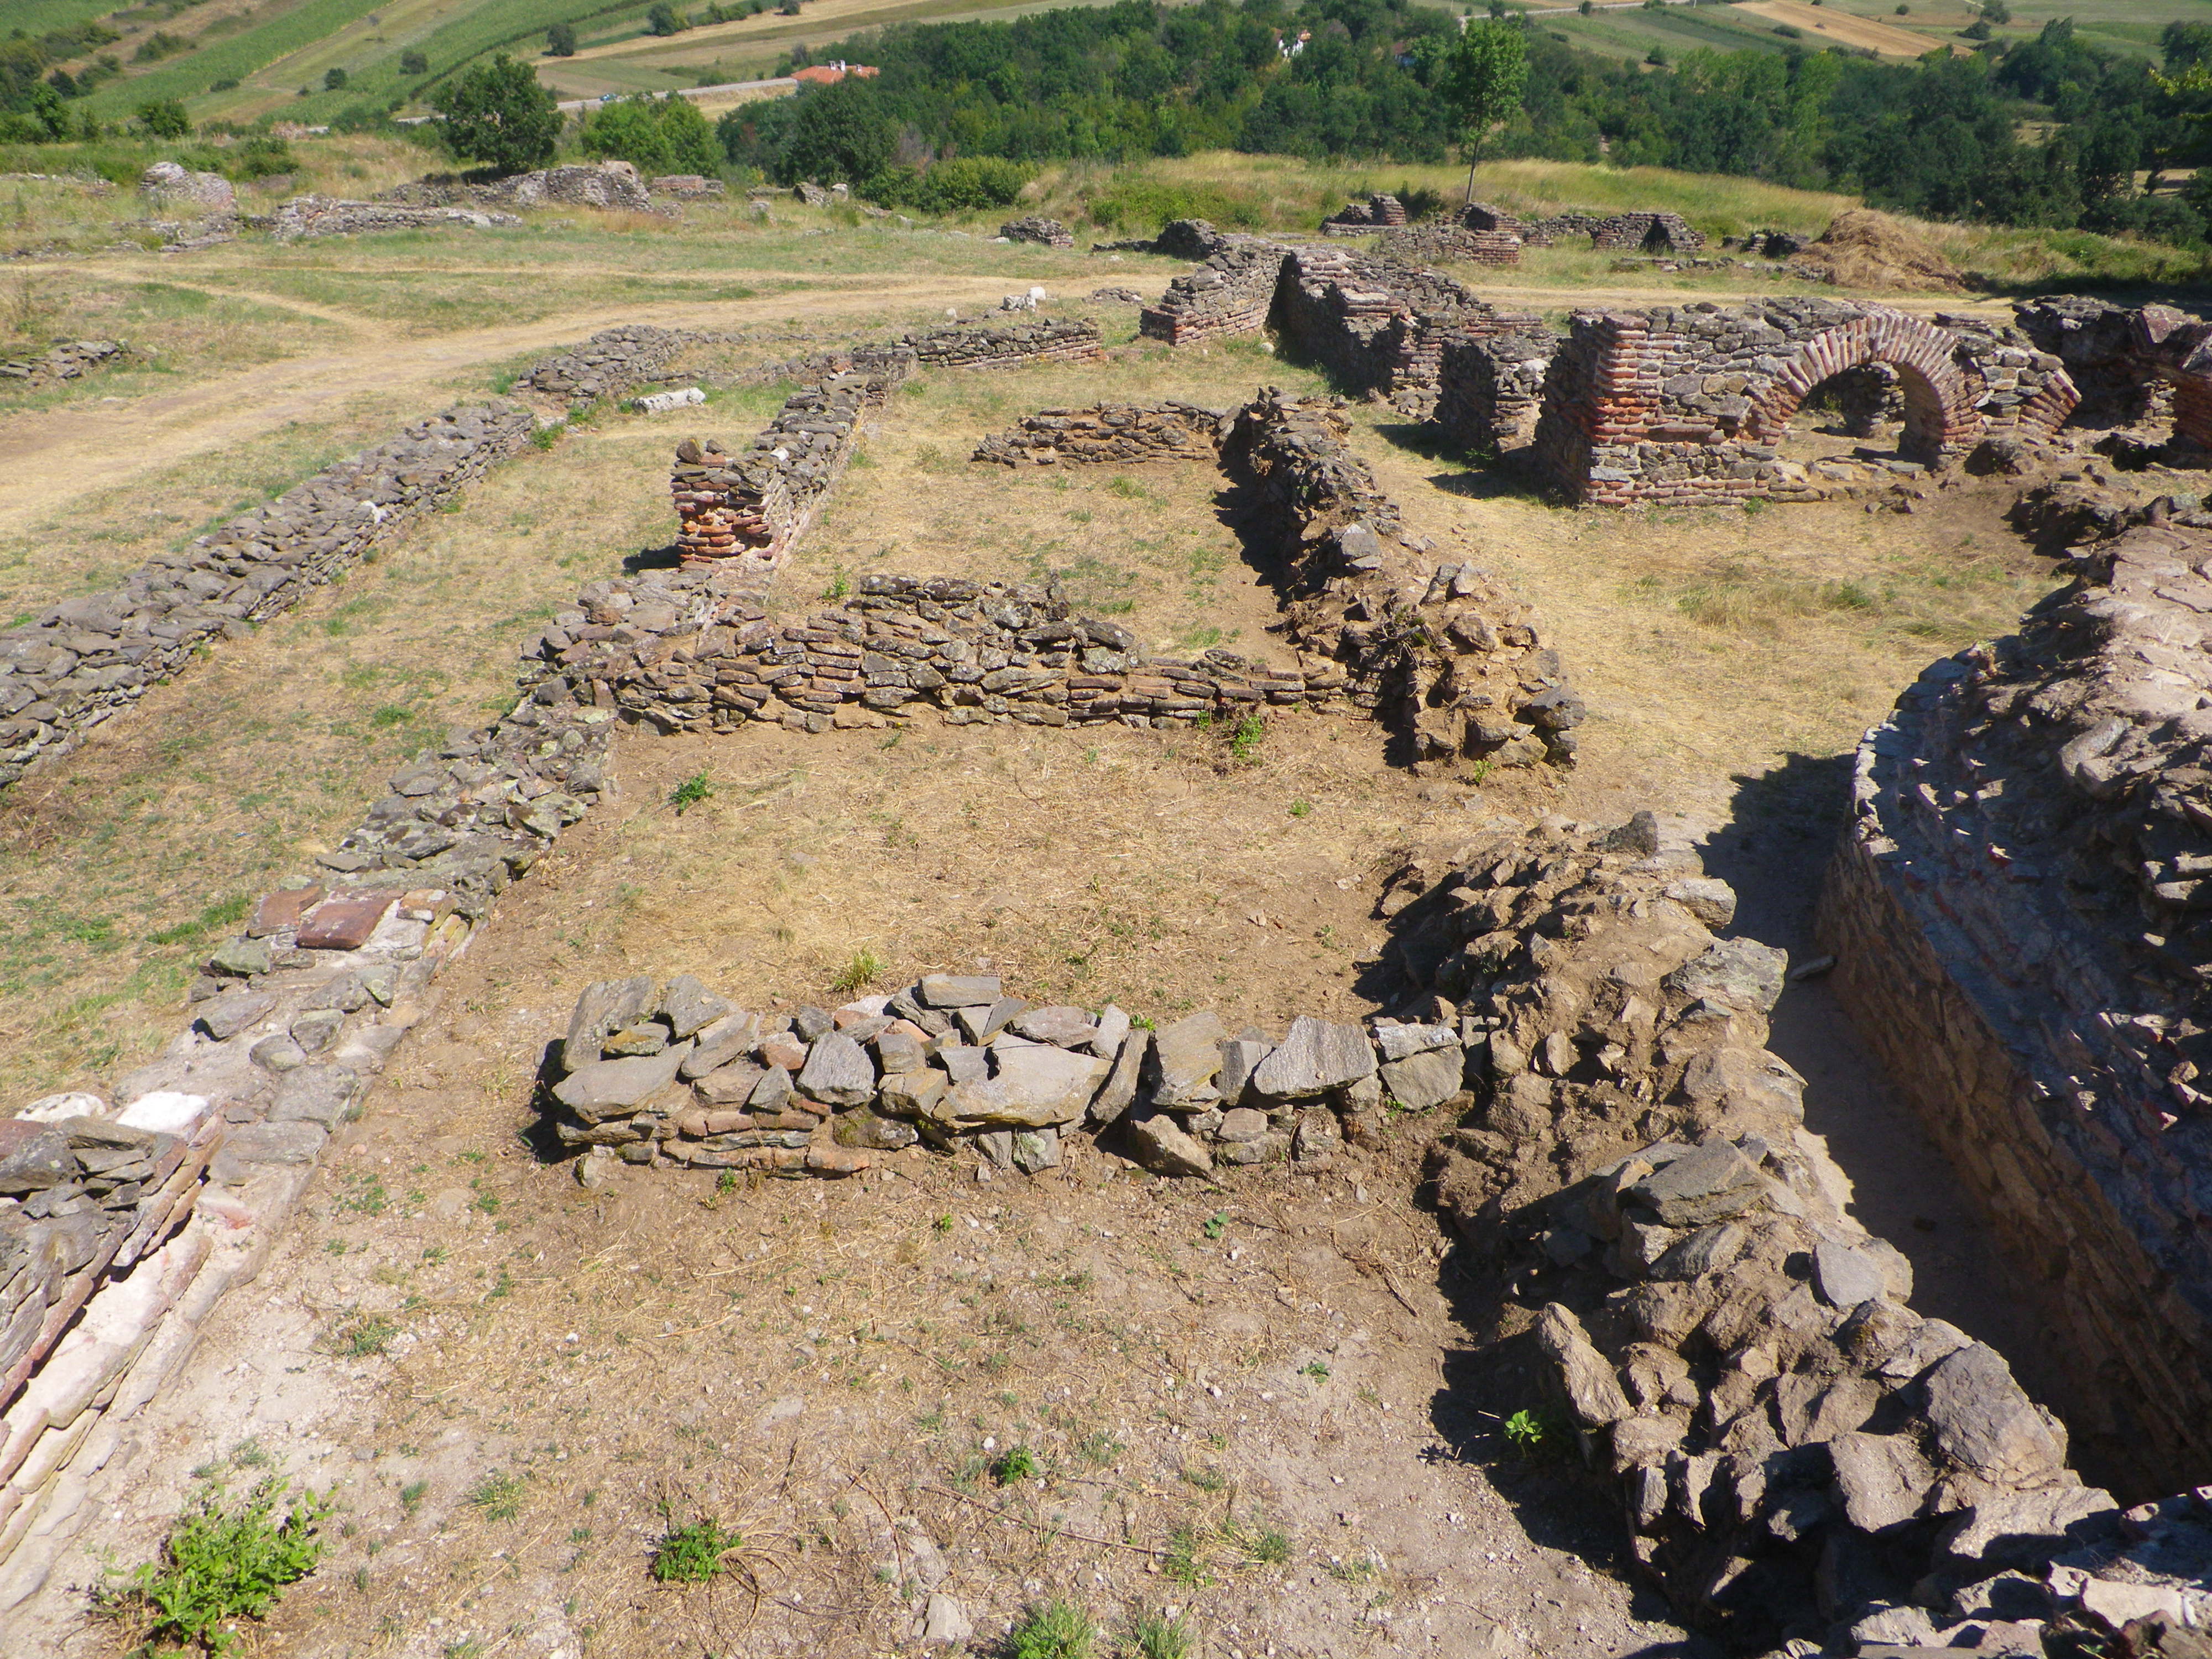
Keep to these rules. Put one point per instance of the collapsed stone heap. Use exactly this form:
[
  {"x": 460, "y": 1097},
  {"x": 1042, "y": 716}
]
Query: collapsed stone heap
[
  {"x": 84, "y": 659},
  {"x": 681, "y": 1077},
  {"x": 1035, "y": 228},
  {"x": 2020, "y": 919},
  {"x": 1056, "y": 341},
  {"x": 1801, "y": 1456},
  {"x": 1109, "y": 433},
  {"x": 302, "y": 218},
  {"x": 68, "y": 359},
  {"x": 750, "y": 507},
  {"x": 610, "y": 185},
  {"x": 1687, "y": 403},
  {"x": 1443, "y": 653}
]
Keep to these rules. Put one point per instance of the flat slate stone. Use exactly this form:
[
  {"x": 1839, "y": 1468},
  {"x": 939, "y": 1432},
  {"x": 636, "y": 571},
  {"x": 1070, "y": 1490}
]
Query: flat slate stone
[
  {"x": 1031, "y": 1088},
  {"x": 612, "y": 1088},
  {"x": 253, "y": 1144},
  {"x": 343, "y": 921},
  {"x": 1119, "y": 1088},
  {"x": 1710, "y": 1183},
  {"x": 1404, "y": 1041},
  {"x": 690, "y": 1006},
  {"x": 1060, "y": 1024},
  {"x": 1160, "y": 1144},
  {"x": 33, "y": 1156},
  {"x": 1882, "y": 1479},
  {"x": 280, "y": 910},
  {"x": 729, "y": 1085},
  {"x": 959, "y": 991},
  {"x": 1185, "y": 1061},
  {"x": 1317, "y": 1056},
  {"x": 604, "y": 1009},
  {"x": 321, "y": 1095},
  {"x": 838, "y": 1071},
  {"x": 1240, "y": 1058},
  {"x": 1844, "y": 1277},
  {"x": 224, "y": 1017},
  {"x": 1983, "y": 1419},
  {"x": 1738, "y": 974},
  {"x": 1112, "y": 1031},
  {"x": 718, "y": 1044}
]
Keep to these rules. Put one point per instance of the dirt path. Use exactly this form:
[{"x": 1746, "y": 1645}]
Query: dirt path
[{"x": 49, "y": 458}]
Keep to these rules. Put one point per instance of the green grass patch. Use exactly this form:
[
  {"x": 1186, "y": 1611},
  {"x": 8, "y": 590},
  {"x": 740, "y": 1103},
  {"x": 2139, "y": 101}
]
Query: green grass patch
[{"x": 227, "y": 1562}]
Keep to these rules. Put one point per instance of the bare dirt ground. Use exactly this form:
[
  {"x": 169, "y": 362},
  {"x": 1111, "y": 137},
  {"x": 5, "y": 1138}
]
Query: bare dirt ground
[{"x": 1236, "y": 1400}]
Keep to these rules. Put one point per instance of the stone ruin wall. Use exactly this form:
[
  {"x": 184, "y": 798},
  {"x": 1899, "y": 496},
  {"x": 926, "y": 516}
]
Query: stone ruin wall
[
  {"x": 1490, "y": 392},
  {"x": 1034, "y": 228},
  {"x": 68, "y": 359},
  {"x": 681, "y": 1078},
  {"x": 303, "y": 218},
  {"x": 1378, "y": 212},
  {"x": 2138, "y": 365},
  {"x": 1109, "y": 435},
  {"x": 1441, "y": 243},
  {"x": 1648, "y": 1227},
  {"x": 1686, "y": 405},
  {"x": 2019, "y": 916}
]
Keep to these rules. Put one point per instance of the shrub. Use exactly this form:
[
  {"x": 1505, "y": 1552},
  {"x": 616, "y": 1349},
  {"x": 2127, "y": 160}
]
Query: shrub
[
  {"x": 414, "y": 63},
  {"x": 260, "y": 157},
  {"x": 498, "y": 114},
  {"x": 224, "y": 1563},
  {"x": 560, "y": 40},
  {"x": 334, "y": 79},
  {"x": 965, "y": 182},
  {"x": 666, "y": 134},
  {"x": 164, "y": 118},
  {"x": 665, "y": 20}
]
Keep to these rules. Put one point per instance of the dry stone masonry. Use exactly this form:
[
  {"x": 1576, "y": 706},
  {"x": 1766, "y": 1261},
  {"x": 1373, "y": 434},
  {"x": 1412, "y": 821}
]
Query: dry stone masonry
[
  {"x": 83, "y": 660},
  {"x": 677, "y": 1076},
  {"x": 608, "y": 364},
  {"x": 1112, "y": 434},
  {"x": 2132, "y": 365},
  {"x": 1490, "y": 392},
  {"x": 1689, "y": 404},
  {"x": 1449, "y": 244},
  {"x": 68, "y": 359},
  {"x": 305, "y": 217},
  {"x": 1802, "y": 1458},
  {"x": 1046, "y": 232},
  {"x": 2019, "y": 915},
  {"x": 1363, "y": 218},
  {"x": 1442, "y": 654}
]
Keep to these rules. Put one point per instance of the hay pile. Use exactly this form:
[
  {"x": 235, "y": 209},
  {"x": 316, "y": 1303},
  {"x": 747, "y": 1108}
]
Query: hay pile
[{"x": 1869, "y": 249}]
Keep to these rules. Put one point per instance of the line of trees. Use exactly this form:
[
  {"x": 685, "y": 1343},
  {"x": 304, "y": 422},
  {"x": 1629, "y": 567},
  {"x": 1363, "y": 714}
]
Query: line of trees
[{"x": 1390, "y": 78}]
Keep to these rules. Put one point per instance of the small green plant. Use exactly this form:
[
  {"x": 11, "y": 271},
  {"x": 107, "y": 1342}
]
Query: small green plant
[
  {"x": 727, "y": 1181},
  {"x": 1244, "y": 741},
  {"x": 411, "y": 1496},
  {"x": 692, "y": 1554},
  {"x": 1206, "y": 1478},
  {"x": 1532, "y": 1433},
  {"x": 1266, "y": 1546},
  {"x": 840, "y": 585},
  {"x": 1300, "y": 809},
  {"x": 546, "y": 436},
  {"x": 1479, "y": 774},
  {"x": 497, "y": 1497},
  {"x": 1317, "y": 1370},
  {"x": 365, "y": 1338},
  {"x": 224, "y": 1562},
  {"x": 1361, "y": 1571},
  {"x": 942, "y": 1225},
  {"x": 689, "y": 792},
  {"x": 1216, "y": 1224},
  {"x": 1055, "y": 1630},
  {"x": 1143, "y": 1023},
  {"x": 1182, "y": 1557},
  {"x": 1019, "y": 1464},
  {"x": 862, "y": 969},
  {"x": 1156, "y": 1636}
]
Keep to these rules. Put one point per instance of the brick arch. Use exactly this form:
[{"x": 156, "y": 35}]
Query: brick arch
[{"x": 1941, "y": 399}]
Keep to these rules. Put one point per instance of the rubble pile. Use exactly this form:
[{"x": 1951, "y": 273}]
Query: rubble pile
[{"x": 1109, "y": 433}]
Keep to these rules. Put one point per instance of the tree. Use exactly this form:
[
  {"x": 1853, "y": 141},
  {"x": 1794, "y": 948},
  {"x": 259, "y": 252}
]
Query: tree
[
  {"x": 1484, "y": 80},
  {"x": 837, "y": 132},
  {"x": 560, "y": 40},
  {"x": 334, "y": 79},
  {"x": 1995, "y": 11},
  {"x": 654, "y": 135},
  {"x": 165, "y": 117},
  {"x": 414, "y": 63},
  {"x": 498, "y": 114},
  {"x": 665, "y": 19}
]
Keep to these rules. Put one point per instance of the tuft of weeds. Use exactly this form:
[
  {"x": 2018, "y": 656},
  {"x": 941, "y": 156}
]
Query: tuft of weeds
[
  {"x": 1156, "y": 1636},
  {"x": 497, "y": 1497},
  {"x": 364, "y": 1339},
  {"x": 1182, "y": 1557},
  {"x": 1054, "y": 1629},
  {"x": 1245, "y": 740},
  {"x": 1018, "y": 1464},
  {"x": 1535, "y": 1433},
  {"x": 689, "y": 792},
  {"x": 862, "y": 969},
  {"x": 693, "y": 1553},
  {"x": 225, "y": 1562}
]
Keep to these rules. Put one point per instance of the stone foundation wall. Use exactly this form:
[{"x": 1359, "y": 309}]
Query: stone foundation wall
[
  {"x": 70, "y": 360},
  {"x": 2018, "y": 930},
  {"x": 84, "y": 660},
  {"x": 608, "y": 365},
  {"x": 1489, "y": 391},
  {"x": 1047, "y": 233},
  {"x": 2133, "y": 365},
  {"x": 746, "y": 511},
  {"x": 1682, "y": 404},
  {"x": 678, "y": 1077},
  {"x": 1231, "y": 294},
  {"x": 1109, "y": 434},
  {"x": 304, "y": 217},
  {"x": 1362, "y": 218},
  {"x": 1651, "y": 232},
  {"x": 1449, "y": 244}
]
